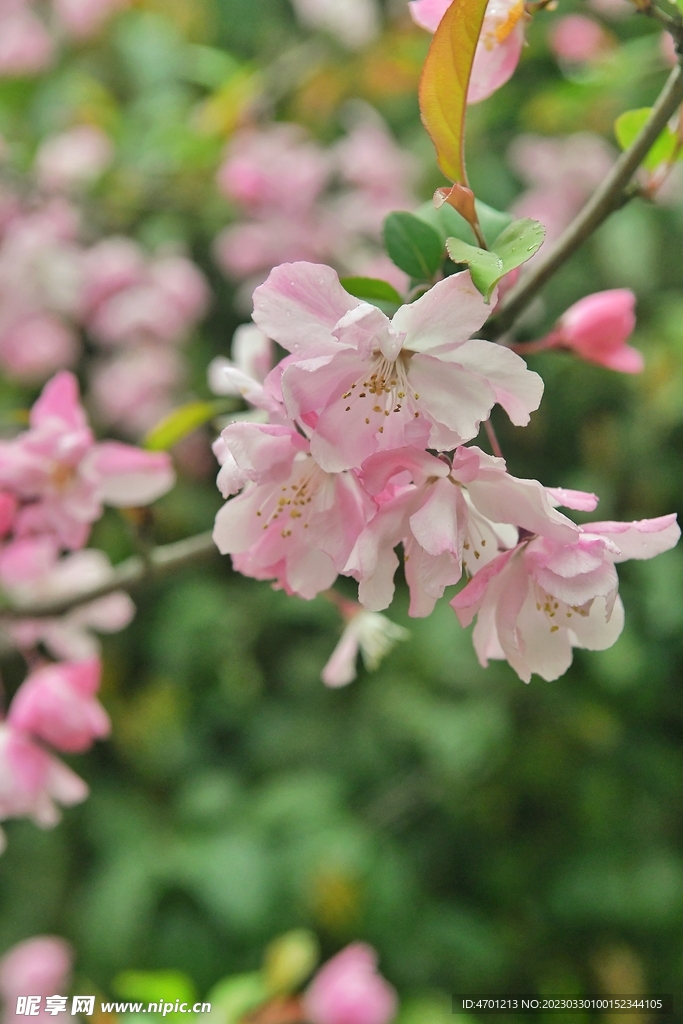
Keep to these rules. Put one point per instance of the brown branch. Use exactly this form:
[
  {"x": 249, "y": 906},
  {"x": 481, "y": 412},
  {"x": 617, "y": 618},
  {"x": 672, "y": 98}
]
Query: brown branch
[
  {"x": 610, "y": 196},
  {"x": 128, "y": 575}
]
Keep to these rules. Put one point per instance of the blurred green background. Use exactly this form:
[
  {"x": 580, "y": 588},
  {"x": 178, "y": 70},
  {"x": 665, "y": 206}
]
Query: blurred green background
[{"x": 482, "y": 834}]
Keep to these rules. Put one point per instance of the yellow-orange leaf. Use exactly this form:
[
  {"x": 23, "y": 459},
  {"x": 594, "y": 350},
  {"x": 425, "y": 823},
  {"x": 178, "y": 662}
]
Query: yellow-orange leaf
[{"x": 445, "y": 80}]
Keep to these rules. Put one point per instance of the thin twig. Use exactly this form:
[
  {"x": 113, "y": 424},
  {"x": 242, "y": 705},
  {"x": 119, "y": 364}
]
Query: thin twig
[
  {"x": 493, "y": 440},
  {"x": 131, "y": 573},
  {"x": 610, "y": 196}
]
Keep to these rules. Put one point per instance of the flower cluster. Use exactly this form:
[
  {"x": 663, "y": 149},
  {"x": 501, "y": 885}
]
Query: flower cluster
[
  {"x": 295, "y": 200},
  {"x": 136, "y": 309},
  {"x": 362, "y": 446},
  {"x": 54, "y": 481}
]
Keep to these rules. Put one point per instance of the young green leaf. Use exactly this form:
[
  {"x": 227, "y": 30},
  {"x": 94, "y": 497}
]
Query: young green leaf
[
  {"x": 181, "y": 422},
  {"x": 413, "y": 245},
  {"x": 513, "y": 247},
  {"x": 371, "y": 289},
  {"x": 155, "y": 986},
  {"x": 629, "y": 125}
]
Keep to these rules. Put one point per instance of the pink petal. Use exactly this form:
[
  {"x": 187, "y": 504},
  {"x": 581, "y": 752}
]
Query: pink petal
[
  {"x": 428, "y": 13},
  {"x": 448, "y": 314},
  {"x": 494, "y": 67},
  {"x": 450, "y": 395},
  {"x": 517, "y": 388},
  {"x": 379, "y": 469},
  {"x": 341, "y": 667},
  {"x": 60, "y": 400},
  {"x": 467, "y": 603},
  {"x": 262, "y": 452},
  {"x": 582, "y": 501},
  {"x": 643, "y": 539},
  {"x": 130, "y": 476},
  {"x": 299, "y": 306},
  {"x": 438, "y": 525}
]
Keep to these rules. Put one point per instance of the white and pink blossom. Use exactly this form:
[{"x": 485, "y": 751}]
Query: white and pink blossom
[
  {"x": 537, "y": 601},
  {"x": 363, "y": 383}
]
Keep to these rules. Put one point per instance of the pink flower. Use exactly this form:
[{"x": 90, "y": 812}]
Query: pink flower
[
  {"x": 57, "y": 704},
  {"x": 66, "y": 477},
  {"x": 562, "y": 174},
  {"x": 598, "y": 327},
  {"x": 245, "y": 373},
  {"x": 277, "y": 170},
  {"x": 349, "y": 990},
  {"x": 38, "y": 345},
  {"x": 84, "y": 18},
  {"x": 500, "y": 43},
  {"x": 40, "y": 966},
  {"x": 371, "y": 634},
  {"x": 537, "y": 601},
  {"x": 74, "y": 158},
  {"x": 293, "y": 522},
  {"x": 32, "y": 781},
  {"x": 577, "y": 39},
  {"x": 26, "y": 47},
  {"x": 110, "y": 266},
  {"x": 365, "y": 383},
  {"x": 134, "y": 389},
  {"x": 445, "y": 517},
  {"x": 69, "y": 636}
]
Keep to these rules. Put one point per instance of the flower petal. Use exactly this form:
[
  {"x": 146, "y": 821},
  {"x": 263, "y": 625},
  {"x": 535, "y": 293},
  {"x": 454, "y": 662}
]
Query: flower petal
[
  {"x": 299, "y": 306},
  {"x": 643, "y": 539},
  {"x": 129, "y": 475},
  {"x": 517, "y": 388},
  {"x": 448, "y": 314}
]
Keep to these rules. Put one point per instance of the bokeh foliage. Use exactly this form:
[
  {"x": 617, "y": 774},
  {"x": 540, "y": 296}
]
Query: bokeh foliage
[{"x": 483, "y": 835}]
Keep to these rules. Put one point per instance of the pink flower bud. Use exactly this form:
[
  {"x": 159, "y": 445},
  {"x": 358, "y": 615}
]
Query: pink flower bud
[
  {"x": 349, "y": 990},
  {"x": 39, "y": 966},
  {"x": 577, "y": 39},
  {"x": 597, "y": 328},
  {"x": 57, "y": 704}
]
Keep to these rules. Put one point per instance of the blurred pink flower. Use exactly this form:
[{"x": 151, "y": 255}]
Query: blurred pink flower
[
  {"x": 577, "y": 39},
  {"x": 33, "y": 782},
  {"x": 134, "y": 389},
  {"x": 57, "y": 704},
  {"x": 348, "y": 989},
  {"x": 562, "y": 173},
  {"x": 110, "y": 266},
  {"x": 276, "y": 170},
  {"x": 36, "y": 346},
  {"x": 40, "y": 966},
  {"x": 66, "y": 477},
  {"x": 26, "y": 47},
  {"x": 163, "y": 307},
  {"x": 84, "y": 18},
  {"x": 74, "y": 158},
  {"x": 69, "y": 636},
  {"x": 598, "y": 327}
]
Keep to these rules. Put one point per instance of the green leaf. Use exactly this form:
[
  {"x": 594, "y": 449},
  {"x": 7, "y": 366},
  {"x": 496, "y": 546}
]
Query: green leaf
[
  {"x": 629, "y": 125},
  {"x": 155, "y": 986},
  {"x": 513, "y": 247},
  {"x": 448, "y": 223},
  {"x": 413, "y": 245},
  {"x": 371, "y": 289},
  {"x": 181, "y": 422},
  {"x": 232, "y": 997}
]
